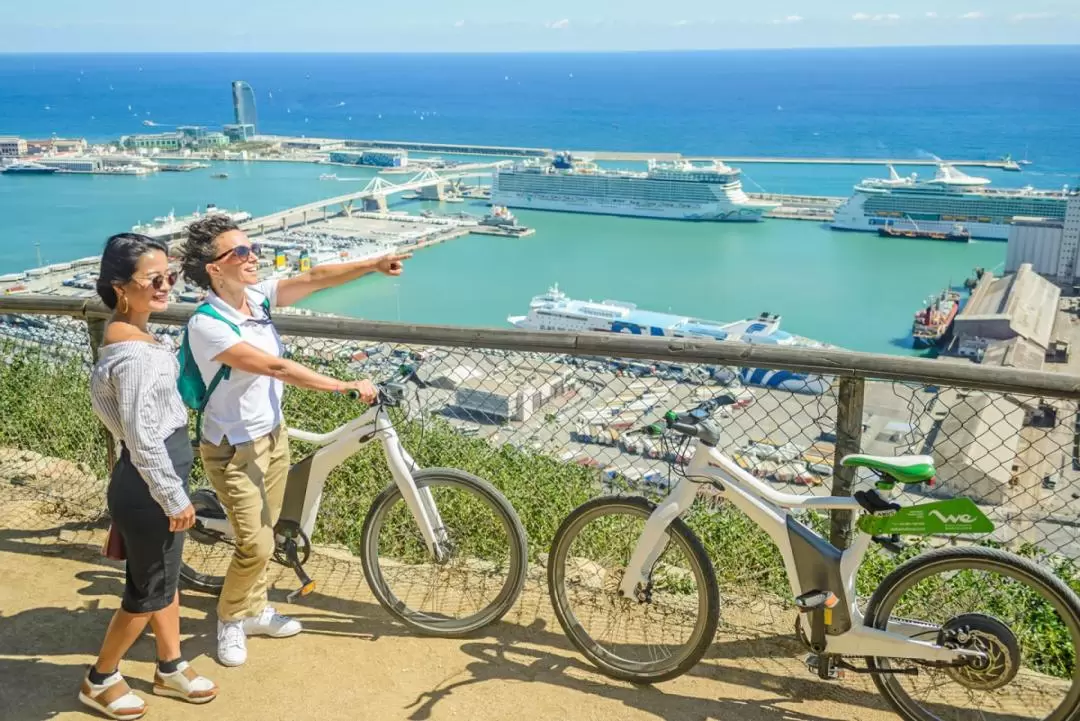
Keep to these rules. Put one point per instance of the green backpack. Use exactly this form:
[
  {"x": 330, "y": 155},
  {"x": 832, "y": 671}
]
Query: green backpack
[{"x": 194, "y": 392}]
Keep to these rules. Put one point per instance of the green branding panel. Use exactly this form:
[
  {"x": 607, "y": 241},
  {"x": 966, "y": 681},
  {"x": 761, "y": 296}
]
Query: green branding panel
[{"x": 956, "y": 515}]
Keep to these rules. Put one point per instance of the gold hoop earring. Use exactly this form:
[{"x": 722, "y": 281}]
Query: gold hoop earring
[{"x": 127, "y": 305}]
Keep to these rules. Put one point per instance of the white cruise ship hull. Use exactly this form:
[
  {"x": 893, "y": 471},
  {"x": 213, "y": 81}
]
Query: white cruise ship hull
[
  {"x": 852, "y": 215},
  {"x": 713, "y": 212}
]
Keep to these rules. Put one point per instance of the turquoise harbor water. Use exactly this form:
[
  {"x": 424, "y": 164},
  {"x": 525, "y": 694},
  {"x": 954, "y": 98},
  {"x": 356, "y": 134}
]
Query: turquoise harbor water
[{"x": 854, "y": 290}]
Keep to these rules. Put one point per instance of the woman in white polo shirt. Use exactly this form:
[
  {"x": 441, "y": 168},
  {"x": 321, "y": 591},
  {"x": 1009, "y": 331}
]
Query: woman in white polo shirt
[{"x": 244, "y": 446}]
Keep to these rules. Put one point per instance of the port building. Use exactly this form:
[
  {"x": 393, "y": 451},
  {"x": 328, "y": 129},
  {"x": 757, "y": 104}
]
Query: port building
[
  {"x": 512, "y": 397},
  {"x": 1008, "y": 320},
  {"x": 11, "y": 147},
  {"x": 1051, "y": 246}
]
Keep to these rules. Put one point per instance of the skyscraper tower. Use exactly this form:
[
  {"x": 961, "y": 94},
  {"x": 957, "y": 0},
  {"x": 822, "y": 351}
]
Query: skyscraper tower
[{"x": 244, "y": 103}]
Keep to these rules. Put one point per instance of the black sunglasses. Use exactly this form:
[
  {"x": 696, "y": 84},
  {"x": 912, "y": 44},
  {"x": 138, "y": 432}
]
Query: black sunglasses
[
  {"x": 241, "y": 252},
  {"x": 159, "y": 280}
]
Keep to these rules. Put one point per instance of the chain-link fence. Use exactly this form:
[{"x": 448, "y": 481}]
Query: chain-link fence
[{"x": 553, "y": 429}]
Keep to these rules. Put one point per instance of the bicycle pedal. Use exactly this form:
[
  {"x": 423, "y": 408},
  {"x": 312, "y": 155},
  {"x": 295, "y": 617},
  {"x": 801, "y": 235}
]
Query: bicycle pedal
[
  {"x": 813, "y": 600},
  {"x": 831, "y": 671},
  {"x": 304, "y": 590}
]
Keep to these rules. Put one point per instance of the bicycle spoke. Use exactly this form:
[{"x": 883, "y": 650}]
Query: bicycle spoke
[
  {"x": 640, "y": 637},
  {"x": 469, "y": 582},
  {"x": 1016, "y": 621}
]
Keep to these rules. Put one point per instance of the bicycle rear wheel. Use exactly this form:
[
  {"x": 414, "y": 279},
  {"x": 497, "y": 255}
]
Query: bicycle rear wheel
[
  {"x": 485, "y": 571},
  {"x": 646, "y": 641},
  {"x": 1024, "y": 618}
]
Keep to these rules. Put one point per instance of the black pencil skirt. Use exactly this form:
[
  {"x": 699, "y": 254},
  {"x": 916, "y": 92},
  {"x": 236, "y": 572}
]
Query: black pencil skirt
[{"x": 153, "y": 552}]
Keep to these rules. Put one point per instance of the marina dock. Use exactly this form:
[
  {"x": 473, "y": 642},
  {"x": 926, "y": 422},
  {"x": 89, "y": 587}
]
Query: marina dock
[
  {"x": 665, "y": 156},
  {"x": 739, "y": 160},
  {"x": 510, "y": 151}
]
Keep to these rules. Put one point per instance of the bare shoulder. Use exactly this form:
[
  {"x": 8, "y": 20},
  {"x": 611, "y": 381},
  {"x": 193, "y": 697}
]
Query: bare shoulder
[{"x": 121, "y": 332}]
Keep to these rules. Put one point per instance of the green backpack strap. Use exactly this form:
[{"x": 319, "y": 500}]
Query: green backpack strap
[{"x": 224, "y": 371}]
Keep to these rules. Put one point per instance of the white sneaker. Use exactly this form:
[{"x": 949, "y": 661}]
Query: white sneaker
[
  {"x": 231, "y": 643},
  {"x": 271, "y": 623}
]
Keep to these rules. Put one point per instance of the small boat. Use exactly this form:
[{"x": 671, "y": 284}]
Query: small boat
[
  {"x": 328, "y": 176},
  {"x": 933, "y": 322},
  {"x": 959, "y": 234},
  {"x": 220, "y": 176}
]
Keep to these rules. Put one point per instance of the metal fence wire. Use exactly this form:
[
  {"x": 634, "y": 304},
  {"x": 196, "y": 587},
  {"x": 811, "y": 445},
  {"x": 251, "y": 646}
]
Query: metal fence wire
[{"x": 552, "y": 430}]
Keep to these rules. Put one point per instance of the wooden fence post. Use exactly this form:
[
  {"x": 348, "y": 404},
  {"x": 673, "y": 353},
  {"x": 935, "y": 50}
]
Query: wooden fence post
[{"x": 849, "y": 424}]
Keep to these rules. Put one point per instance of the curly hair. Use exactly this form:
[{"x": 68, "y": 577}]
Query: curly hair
[
  {"x": 118, "y": 261},
  {"x": 198, "y": 249}
]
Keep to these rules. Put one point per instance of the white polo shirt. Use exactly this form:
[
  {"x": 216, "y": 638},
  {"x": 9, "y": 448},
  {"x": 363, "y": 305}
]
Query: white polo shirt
[{"x": 245, "y": 406}]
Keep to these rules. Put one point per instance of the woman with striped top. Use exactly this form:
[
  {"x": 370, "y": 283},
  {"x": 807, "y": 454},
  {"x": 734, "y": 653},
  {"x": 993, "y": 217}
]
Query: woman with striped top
[{"x": 133, "y": 390}]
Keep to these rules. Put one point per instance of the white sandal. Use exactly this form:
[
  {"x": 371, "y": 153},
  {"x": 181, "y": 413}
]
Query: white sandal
[
  {"x": 114, "y": 698},
  {"x": 185, "y": 684}
]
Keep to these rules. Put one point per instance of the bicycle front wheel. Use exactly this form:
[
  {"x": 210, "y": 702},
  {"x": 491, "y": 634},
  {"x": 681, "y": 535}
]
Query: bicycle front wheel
[
  {"x": 484, "y": 572},
  {"x": 656, "y": 637},
  {"x": 1022, "y": 617}
]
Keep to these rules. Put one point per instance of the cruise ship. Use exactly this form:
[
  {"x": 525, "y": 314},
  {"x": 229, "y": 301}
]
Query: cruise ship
[
  {"x": 555, "y": 311},
  {"x": 950, "y": 199},
  {"x": 169, "y": 226},
  {"x": 678, "y": 191}
]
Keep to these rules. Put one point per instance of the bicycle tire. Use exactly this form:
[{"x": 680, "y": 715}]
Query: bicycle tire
[
  {"x": 423, "y": 622},
  {"x": 705, "y": 625},
  {"x": 879, "y": 608},
  {"x": 205, "y": 502}
]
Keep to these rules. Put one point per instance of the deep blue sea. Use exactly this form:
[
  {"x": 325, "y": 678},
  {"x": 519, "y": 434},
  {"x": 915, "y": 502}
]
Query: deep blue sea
[{"x": 899, "y": 102}]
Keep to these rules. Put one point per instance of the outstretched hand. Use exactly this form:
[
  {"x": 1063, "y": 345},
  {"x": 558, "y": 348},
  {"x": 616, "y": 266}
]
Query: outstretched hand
[{"x": 392, "y": 264}]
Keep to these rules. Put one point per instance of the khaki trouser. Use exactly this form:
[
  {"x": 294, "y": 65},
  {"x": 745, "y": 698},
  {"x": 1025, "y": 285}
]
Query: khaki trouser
[{"x": 250, "y": 482}]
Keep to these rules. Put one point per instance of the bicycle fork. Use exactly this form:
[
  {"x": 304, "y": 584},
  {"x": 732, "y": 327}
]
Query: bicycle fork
[
  {"x": 420, "y": 502},
  {"x": 654, "y": 539}
]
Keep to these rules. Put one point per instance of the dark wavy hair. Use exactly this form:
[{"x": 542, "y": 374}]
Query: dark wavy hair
[
  {"x": 198, "y": 249},
  {"x": 118, "y": 261}
]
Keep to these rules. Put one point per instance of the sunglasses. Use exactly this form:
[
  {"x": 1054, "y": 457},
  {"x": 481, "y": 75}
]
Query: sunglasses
[
  {"x": 158, "y": 281},
  {"x": 242, "y": 252}
]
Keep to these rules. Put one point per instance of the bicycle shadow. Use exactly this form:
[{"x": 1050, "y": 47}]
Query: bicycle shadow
[
  {"x": 509, "y": 662},
  {"x": 531, "y": 652}
]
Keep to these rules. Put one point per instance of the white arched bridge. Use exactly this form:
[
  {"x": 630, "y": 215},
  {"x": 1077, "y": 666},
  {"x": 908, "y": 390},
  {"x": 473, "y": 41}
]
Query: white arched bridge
[{"x": 372, "y": 197}]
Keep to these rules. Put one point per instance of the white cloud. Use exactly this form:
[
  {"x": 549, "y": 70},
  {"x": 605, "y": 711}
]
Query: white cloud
[
  {"x": 680, "y": 23},
  {"x": 931, "y": 14},
  {"x": 881, "y": 17},
  {"x": 459, "y": 24},
  {"x": 789, "y": 20},
  {"x": 558, "y": 24},
  {"x": 973, "y": 15},
  {"x": 1021, "y": 17}
]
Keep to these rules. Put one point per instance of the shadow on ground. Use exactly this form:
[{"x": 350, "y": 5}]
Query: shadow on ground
[{"x": 531, "y": 650}]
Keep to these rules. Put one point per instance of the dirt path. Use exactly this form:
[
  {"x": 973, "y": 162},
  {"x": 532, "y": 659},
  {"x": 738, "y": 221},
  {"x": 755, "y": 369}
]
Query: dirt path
[{"x": 354, "y": 662}]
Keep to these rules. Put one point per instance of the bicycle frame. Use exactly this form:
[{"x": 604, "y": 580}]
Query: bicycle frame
[
  {"x": 307, "y": 478},
  {"x": 811, "y": 562}
]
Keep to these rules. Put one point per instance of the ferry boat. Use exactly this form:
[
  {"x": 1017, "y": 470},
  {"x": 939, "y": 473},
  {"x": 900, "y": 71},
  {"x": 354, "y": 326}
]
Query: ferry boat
[
  {"x": 28, "y": 168},
  {"x": 933, "y": 322},
  {"x": 555, "y": 311},
  {"x": 167, "y": 226},
  {"x": 678, "y": 191},
  {"x": 938, "y": 204}
]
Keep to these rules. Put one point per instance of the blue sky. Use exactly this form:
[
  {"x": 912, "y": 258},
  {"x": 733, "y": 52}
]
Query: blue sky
[{"x": 510, "y": 25}]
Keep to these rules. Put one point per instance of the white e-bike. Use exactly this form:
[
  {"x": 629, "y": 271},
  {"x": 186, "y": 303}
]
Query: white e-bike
[
  {"x": 441, "y": 549},
  {"x": 963, "y": 631}
]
